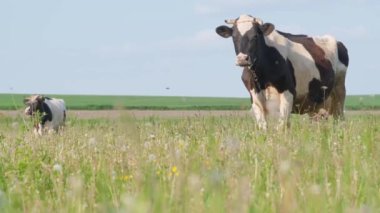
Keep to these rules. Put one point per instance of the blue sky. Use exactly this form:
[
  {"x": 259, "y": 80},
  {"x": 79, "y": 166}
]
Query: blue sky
[{"x": 117, "y": 47}]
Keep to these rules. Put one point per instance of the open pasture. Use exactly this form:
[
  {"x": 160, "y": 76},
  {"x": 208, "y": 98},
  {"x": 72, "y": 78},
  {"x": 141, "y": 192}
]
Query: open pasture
[
  {"x": 98, "y": 102},
  {"x": 190, "y": 163}
]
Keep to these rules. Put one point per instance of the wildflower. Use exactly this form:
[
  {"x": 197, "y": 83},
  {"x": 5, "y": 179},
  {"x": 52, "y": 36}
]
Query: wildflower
[
  {"x": 113, "y": 175},
  {"x": 57, "y": 168},
  {"x": 127, "y": 177},
  {"x": 151, "y": 158},
  {"x": 173, "y": 171}
]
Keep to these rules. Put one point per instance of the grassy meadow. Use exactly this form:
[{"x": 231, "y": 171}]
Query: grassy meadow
[
  {"x": 191, "y": 164},
  {"x": 97, "y": 102}
]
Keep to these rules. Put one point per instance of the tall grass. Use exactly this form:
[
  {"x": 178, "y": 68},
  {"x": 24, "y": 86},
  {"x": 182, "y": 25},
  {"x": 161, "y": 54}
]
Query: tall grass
[{"x": 194, "y": 164}]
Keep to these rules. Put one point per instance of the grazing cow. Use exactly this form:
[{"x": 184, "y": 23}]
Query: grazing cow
[
  {"x": 287, "y": 73},
  {"x": 51, "y": 112}
]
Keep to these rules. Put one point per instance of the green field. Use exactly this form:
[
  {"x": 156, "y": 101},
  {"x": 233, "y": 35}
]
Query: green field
[
  {"x": 192, "y": 164},
  {"x": 9, "y": 102}
]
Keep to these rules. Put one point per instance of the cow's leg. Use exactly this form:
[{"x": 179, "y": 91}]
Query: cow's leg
[
  {"x": 64, "y": 116},
  {"x": 258, "y": 109},
  {"x": 35, "y": 131},
  {"x": 338, "y": 96},
  {"x": 257, "y": 99},
  {"x": 258, "y": 112},
  {"x": 286, "y": 104},
  {"x": 40, "y": 129}
]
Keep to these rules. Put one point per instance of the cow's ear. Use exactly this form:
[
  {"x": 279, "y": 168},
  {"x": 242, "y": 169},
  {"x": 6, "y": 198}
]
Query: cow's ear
[
  {"x": 224, "y": 31},
  {"x": 26, "y": 100},
  {"x": 267, "y": 28}
]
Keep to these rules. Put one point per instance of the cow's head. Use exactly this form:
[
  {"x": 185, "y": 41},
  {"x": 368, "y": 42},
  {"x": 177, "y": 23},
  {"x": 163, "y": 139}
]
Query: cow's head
[
  {"x": 244, "y": 32},
  {"x": 33, "y": 103}
]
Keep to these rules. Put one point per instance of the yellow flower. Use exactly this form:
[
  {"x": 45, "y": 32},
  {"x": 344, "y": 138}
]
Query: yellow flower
[
  {"x": 174, "y": 171},
  {"x": 127, "y": 177}
]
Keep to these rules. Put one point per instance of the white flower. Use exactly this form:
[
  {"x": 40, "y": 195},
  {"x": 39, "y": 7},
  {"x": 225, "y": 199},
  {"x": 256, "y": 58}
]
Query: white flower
[
  {"x": 57, "y": 168},
  {"x": 113, "y": 174},
  {"x": 151, "y": 157}
]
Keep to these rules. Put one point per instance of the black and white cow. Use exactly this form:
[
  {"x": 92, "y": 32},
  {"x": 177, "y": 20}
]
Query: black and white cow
[
  {"x": 51, "y": 112},
  {"x": 287, "y": 73}
]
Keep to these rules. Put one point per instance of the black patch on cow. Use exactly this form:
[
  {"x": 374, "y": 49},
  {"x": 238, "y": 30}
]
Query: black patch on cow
[
  {"x": 316, "y": 94},
  {"x": 271, "y": 68},
  {"x": 292, "y": 76},
  {"x": 342, "y": 53},
  {"x": 324, "y": 66},
  {"x": 224, "y": 31},
  {"x": 45, "y": 112}
]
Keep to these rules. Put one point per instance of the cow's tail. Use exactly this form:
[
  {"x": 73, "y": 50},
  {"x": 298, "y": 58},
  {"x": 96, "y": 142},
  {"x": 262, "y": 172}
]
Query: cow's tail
[
  {"x": 64, "y": 113},
  {"x": 64, "y": 110}
]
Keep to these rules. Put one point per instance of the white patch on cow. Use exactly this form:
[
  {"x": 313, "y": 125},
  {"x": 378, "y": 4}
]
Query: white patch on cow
[
  {"x": 57, "y": 107},
  {"x": 329, "y": 45},
  {"x": 303, "y": 63},
  {"x": 244, "y": 24},
  {"x": 241, "y": 59}
]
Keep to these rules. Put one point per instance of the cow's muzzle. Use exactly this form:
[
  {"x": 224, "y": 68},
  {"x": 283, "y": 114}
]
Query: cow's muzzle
[
  {"x": 243, "y": 60},
  {"x": 28, "y": 111}
]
